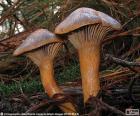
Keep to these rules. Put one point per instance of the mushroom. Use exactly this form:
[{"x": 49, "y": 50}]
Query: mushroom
[
  {"x": 42, "y": 47},
  {"x": 86, "y": 28}
]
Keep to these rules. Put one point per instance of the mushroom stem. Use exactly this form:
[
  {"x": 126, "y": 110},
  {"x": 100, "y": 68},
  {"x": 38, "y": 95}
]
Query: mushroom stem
[
  {"x": 89, "y": 64},
  {"x": 47, "y": 78},
  {"x": 87, "y": 40},
  {"x": 50, "y": 86}
]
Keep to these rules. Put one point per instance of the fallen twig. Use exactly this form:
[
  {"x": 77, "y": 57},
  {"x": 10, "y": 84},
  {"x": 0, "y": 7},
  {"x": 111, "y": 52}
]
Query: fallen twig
[
  {"x": 57, "y": 99},
  {"x": 132, "y": 32},
  {"x": 104, "y": 106},
  {"x": 131, "y": 87},
  {"x": 123, "y": 63}
]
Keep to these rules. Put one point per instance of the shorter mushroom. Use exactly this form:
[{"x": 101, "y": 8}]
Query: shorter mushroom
[{"x": 42, "y": 47}]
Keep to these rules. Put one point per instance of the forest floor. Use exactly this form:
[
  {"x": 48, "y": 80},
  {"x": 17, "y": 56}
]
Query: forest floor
[{"x": 118, "y": 92}]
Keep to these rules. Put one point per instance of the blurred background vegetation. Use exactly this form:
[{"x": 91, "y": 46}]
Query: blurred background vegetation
[{"x": 18, "y": 18}]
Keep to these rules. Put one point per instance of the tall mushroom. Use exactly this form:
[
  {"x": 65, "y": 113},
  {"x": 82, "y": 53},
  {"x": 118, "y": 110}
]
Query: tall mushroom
[
  {"x": 86, "y": 29},
  {"x": 42, "y": 47}
]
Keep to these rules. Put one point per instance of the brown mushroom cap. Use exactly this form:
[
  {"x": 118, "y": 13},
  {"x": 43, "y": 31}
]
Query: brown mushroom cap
[
  {"x": 35, "y": 40},
  {"x": 86, "y": 16}
]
